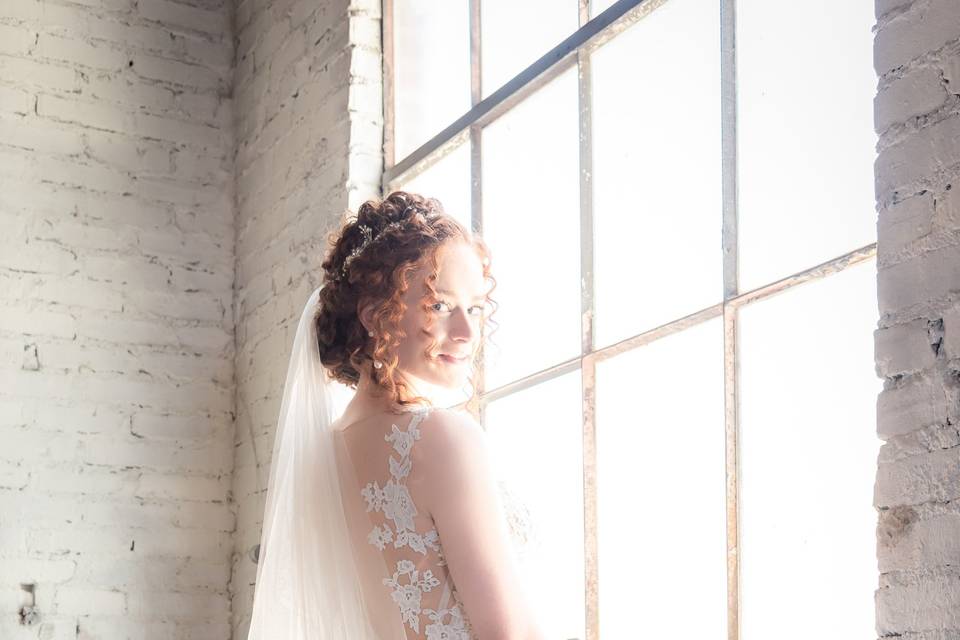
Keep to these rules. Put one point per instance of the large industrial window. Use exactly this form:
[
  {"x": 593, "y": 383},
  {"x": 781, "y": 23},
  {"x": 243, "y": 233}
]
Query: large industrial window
[{"x": 678, "y": 196}]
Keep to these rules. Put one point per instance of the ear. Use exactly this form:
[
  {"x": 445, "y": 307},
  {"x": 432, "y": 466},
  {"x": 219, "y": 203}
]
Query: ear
[{"x": 365, "y": 314}]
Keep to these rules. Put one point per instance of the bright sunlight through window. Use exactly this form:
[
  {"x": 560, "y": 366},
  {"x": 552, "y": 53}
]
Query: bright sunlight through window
[{"x": 691, "y": 431}]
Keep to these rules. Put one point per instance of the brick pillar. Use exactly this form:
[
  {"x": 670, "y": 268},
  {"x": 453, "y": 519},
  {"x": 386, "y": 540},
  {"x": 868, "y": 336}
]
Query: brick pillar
[
  {"x": 309, "y": 146},
  {"x": 917, "y": 118}
]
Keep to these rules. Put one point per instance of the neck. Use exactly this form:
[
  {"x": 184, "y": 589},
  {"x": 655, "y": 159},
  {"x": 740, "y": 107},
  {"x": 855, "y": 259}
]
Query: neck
[{"x": 370, "y": 400}]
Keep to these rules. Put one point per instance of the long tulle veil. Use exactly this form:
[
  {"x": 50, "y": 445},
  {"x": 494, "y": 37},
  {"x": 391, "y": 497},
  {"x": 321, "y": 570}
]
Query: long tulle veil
[{"x": 308, "y": 586}]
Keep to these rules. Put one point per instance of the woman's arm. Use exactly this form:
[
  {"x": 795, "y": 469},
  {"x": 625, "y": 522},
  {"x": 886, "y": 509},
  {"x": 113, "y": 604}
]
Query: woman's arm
[{"x": 460, "y": 492}]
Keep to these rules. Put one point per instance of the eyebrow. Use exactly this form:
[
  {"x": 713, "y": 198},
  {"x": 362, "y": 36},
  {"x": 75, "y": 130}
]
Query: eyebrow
[{"x": 444, "y": 292}]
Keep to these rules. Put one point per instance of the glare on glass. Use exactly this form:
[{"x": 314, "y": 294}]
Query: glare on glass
[
  {"x": 546, "y": 418},
  {"x": 661, "y": 514},
  {"x": 805, "y": 134},
  {"x": 516, "y": 34},
  {"x": 431, "y": 67},
  {"x": 808, "y": 458},
  {"x": 531, "y": 222},
  {"x": 449, "y": 182},
  {"x": 656, "y": 170},
  {"x": 598, "y": 6}
]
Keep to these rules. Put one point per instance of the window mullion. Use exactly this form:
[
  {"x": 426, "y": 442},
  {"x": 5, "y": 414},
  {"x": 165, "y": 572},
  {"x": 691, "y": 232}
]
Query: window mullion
[
  {"x": 476, "y": 167},
  {"x": 728, "y": 125},
  {"x": 588, "y": 341},
  {"x": 389, "y": 88}
]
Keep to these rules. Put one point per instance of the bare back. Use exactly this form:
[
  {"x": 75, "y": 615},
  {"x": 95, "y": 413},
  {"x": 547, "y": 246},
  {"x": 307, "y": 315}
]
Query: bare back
[{"x": 406, "y": 581}]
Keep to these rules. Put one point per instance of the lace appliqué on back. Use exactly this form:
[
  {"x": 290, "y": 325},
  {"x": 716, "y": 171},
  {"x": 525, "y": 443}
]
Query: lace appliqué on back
[{"x": 407, "y": 583}]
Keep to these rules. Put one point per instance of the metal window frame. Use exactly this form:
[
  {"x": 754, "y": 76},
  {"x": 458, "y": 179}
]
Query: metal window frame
[
  {"x": 576, "y": 49},
  {"x": 591, "y": 35}
]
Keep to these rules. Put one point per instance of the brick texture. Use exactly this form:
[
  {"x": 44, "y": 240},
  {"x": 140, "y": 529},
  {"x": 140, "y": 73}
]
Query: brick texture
[
  {"x": 917, "y": 116},
  {"x": 308, "y": 95},
  {"x": 170, "y": 169},
  {"x": 117, "y": 337}
]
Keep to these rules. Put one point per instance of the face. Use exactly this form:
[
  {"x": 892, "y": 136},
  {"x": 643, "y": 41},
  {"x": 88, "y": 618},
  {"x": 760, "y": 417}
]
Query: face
[{"x": 442, "y": 355}]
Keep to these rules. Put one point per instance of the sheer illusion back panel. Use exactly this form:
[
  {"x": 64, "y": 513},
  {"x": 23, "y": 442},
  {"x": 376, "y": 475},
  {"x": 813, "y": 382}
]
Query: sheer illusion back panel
[
  {"x": 406, "y": 582},
  {"x": 385, "y": 617}
]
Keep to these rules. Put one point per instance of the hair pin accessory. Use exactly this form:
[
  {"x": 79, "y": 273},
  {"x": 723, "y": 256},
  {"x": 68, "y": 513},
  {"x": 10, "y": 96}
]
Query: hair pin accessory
[{"x": 368, "y": 238}]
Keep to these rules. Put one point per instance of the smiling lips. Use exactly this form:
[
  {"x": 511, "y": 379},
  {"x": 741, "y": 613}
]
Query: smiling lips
[{"x": 450, "y": 359}]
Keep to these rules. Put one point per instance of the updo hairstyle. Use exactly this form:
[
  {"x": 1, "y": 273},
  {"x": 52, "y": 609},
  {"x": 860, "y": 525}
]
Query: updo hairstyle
[{"x": 371, "y": 260}]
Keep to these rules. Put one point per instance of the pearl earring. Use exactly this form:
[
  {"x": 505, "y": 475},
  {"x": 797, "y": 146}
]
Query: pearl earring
[{"x": 376, "y": 363}]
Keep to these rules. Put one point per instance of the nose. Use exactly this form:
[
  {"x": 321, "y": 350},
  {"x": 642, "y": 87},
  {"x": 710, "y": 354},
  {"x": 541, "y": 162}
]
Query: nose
[{"x": 461, "y": 327}]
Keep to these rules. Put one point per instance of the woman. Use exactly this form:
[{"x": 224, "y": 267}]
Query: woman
[{"x": 385, "y": 523}]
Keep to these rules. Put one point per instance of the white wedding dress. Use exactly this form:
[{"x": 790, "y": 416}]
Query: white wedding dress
[
  {"x": 368, "y": 525},
  {"x": 399, "y": 552}
]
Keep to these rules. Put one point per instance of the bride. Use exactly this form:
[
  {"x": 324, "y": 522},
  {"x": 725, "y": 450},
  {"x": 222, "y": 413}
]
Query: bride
[{"x": 385, "y": 523}]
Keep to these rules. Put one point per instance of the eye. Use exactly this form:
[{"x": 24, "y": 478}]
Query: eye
[{"x": 442, "y": 306}]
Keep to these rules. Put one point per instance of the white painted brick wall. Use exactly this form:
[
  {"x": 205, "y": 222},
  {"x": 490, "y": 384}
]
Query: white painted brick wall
[
  {"x": 165, "y": 206},
  {"x": 917, "y": 116},
  {"x": 116, "y": 337},
  {"x": 309, "y": 133}
]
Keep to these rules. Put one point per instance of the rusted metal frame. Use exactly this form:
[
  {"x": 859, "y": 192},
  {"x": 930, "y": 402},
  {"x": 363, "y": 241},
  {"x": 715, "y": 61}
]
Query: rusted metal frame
[
  {"x": 389, "y": 183},
  {"x": 728, "y": 128},
  {"x": 481, "y": 115},
  {"x": 389, "y": 102},
  {"x": 476, "y": 129},
  {"x": 608, "y": 24},
  {"x": 731, "y": 412},
  {"x": 532, "y": 379},
  {"x": 476, "y": 164},
  {"x": 476, "y": 179},
  {"x": 591, "y": 359},
  {"x": 830, "y": 267},
  {"x": 476, "y": 222},
  {"x": 587, "y": 362},
  {"x": 588, "y": 377},
  {"x": 476, "y": 51},
  {"x": 731, "y": 286},
  {"x": 591, "y": 546},
  {"x": 731, "y": 366},
  {"x": 471, "y": 128},
  {"x": 822, "y": 270}
]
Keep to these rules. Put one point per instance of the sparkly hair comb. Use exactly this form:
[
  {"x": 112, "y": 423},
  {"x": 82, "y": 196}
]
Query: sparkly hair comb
[{"x": 368, "y": 238}]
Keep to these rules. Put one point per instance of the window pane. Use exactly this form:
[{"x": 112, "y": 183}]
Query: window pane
[
  {"x": 808, "y": 454},
  {"x": 806, "y": 140},
  {"x": 599, "y": 6},
  {"x": 431, "y": 89},
  {"x": 547, "y": 416},
  {"x": 660, "y": 475},
  {"x": 657, "y": 199},
  {"x": 515, "y": 34},
  {"x": 449, "y": 182},
  {"x": 531, "y": 221}
]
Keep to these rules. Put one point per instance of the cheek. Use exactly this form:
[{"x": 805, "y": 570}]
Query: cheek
[{"x": 414, "y": 346}]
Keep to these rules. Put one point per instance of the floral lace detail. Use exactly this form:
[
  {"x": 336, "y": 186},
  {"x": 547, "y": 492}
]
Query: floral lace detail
[
  {"x": 394, "y": 500},
  {"x": 409, "y": 584},
  {"x": 456, "y": 629},
  {"x": 407, "y": 594}
]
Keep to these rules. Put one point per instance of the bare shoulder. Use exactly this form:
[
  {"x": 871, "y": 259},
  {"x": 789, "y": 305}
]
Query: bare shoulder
[
  {"x": 454, "y": 462},
  {"x": 450, "y": 431}
]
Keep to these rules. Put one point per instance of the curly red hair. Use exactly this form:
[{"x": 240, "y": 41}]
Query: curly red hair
[{"x": 407, "y": 232}]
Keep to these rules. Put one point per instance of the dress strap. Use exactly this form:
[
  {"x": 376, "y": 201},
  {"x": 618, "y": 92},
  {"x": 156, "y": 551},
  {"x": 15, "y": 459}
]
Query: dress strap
[{"x": 419, "y": 415}]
